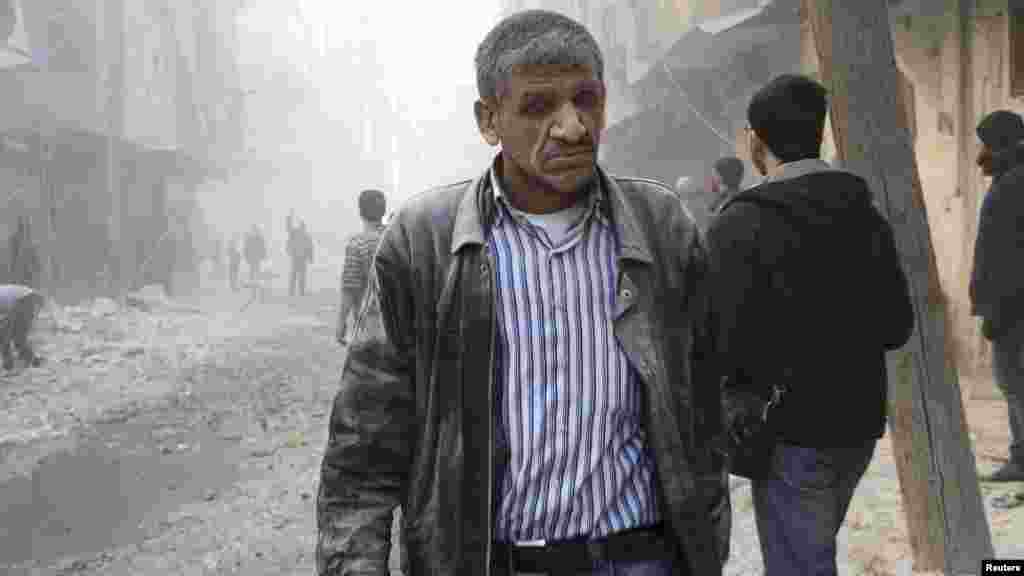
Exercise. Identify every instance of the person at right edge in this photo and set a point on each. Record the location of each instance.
(997, 281)
(808, 293)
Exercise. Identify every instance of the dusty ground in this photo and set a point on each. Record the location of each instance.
(187, 440)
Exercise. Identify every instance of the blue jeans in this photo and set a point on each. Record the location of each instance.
(646, 568)
(800, 508)
(1008, 366)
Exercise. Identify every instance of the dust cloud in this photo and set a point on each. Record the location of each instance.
(341, 97)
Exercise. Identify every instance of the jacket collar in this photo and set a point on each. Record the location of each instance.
(799, 168)
(476, 213)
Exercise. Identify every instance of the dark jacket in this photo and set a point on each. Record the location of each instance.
(299, 246)
(997, 279)
(255, 247)
(414, 422)
(808, 291)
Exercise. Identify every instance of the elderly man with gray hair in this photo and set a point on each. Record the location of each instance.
(526, 381)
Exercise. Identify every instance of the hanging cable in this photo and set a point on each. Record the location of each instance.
(693, 109)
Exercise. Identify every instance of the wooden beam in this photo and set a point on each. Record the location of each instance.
(938, 477)
(967, 171)
(821, 35)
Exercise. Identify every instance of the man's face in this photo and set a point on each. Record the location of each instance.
(986, 160)
(548, 121)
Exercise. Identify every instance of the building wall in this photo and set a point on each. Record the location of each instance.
(150, 74)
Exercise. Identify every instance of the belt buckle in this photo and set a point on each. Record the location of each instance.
(532, 544)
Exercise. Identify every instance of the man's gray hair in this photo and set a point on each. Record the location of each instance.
(533, 37)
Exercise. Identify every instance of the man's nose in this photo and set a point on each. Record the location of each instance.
(568, 126)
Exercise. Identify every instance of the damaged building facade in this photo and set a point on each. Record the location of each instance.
(114, 113)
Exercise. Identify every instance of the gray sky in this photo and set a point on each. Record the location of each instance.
(354, 54)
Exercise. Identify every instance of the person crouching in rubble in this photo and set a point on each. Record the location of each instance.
(19, 306)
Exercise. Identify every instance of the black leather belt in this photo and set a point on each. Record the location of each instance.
(566, 556)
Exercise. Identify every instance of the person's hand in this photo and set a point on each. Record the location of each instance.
(743, 415)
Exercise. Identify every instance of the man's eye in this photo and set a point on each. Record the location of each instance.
(587, 99)
(536, 105)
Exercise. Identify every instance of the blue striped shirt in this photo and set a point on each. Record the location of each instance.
(570, 403)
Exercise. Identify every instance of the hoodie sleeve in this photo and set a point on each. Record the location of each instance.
(732, 279)
(892, 297)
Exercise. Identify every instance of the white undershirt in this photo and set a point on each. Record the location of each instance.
(556, 224)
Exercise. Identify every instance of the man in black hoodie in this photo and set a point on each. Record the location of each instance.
(808, 292)
(997, 281)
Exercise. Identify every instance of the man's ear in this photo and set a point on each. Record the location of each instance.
(487, 121)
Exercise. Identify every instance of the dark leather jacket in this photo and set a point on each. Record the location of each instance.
(413, 424)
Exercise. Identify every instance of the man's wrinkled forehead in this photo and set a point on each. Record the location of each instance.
(543, 77)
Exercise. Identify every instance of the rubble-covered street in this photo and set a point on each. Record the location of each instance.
(168, 440)
(172, 438)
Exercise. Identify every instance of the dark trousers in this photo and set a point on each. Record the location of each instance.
(297, 282)
(14, 331)
(1008, 366)
(801, 506)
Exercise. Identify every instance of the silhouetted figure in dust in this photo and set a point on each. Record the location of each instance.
(234, 262)
(19, 306)
(24, 256)
(300, 254)
(255, 252)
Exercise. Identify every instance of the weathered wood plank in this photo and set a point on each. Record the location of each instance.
(937, 469)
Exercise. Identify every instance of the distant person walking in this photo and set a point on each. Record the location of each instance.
(300, 254)
(997, 281)
(355, 277)
(255, 252)
(24, 266)
(307, 256)
(234, 262)
(217, 258)
(19, 306)
(726, 176)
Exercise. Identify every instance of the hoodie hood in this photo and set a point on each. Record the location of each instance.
(1007, 159)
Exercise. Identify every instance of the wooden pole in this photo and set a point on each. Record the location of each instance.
(937, 471)
(966, 168)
